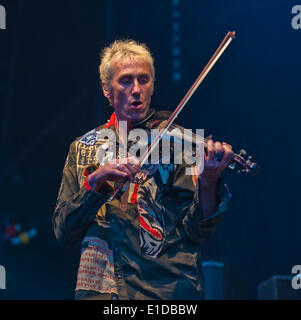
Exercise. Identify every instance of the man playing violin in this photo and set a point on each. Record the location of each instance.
(145, 243)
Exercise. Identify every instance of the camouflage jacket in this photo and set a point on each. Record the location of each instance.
(144, 244)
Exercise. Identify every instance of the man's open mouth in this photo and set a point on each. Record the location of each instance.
(136, 104)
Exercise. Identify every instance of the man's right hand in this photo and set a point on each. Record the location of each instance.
(116, 170)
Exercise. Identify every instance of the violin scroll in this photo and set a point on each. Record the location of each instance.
(242, 162)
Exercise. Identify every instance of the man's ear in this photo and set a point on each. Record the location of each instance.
(152, 89)
(106, 91)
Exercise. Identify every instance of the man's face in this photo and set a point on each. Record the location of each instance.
(131, 90)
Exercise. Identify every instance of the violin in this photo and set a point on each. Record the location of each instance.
(241, 162)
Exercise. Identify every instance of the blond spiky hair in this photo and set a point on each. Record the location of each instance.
(123, 50)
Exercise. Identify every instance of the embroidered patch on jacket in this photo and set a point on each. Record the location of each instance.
(145, 173)
(86, 155)
(89, 169)
(96, 268)
(89, 138)
(151, 218)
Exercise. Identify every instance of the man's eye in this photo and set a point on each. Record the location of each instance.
(144, 79)
(125, 80)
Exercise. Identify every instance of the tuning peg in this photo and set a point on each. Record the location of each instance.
(255, 168)
(242, 152)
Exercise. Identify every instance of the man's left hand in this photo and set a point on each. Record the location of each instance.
(216, 158)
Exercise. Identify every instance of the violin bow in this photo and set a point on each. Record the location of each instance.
(219, 51)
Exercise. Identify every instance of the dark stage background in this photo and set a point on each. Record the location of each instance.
(50, 94)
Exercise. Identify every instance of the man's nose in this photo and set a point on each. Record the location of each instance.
(136, 88)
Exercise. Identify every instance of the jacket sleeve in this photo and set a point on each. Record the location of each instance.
(76, 207)
(197, 227)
